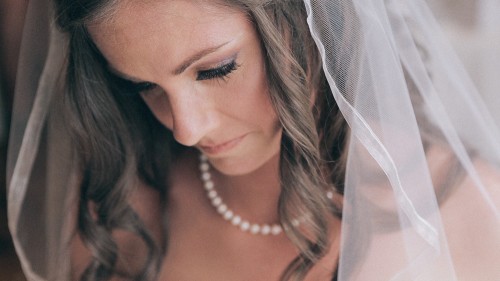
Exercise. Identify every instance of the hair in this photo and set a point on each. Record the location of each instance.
(116, 148)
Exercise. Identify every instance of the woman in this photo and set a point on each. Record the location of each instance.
(223, 101)
(212, 144)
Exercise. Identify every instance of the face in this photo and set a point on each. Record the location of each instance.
(200, 69)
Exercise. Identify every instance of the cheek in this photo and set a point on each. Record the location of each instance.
(252, 98)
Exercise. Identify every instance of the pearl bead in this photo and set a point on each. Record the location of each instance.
(236, 220)
(228, 215)
(255, 229)
(204, 167)
(216, 201)
(265, 230)
(212, 194)
(329, 195)
(205, 176)
(209, 185)
(245, 225)
(276, 229)
(222, 209)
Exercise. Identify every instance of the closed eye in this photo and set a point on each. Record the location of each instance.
(130, 88)
(220, 72)
(142, 87)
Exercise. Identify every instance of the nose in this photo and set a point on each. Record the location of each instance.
(192, 118)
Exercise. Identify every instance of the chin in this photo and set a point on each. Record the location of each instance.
(238, 166)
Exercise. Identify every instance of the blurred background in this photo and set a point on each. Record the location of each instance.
(472, 26)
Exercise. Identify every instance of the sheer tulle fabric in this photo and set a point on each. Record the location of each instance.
(39, 164)
(422, 190)
(473, 28)
(422, 187)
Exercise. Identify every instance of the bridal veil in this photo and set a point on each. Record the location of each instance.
(422, 189)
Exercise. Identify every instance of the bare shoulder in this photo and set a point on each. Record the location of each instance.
(479, 189)
(490, 175)
(471, 219)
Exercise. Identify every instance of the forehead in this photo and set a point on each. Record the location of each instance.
(170, 27)
(128, 14)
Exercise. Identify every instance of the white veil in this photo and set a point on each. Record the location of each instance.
(422, 190)
(422, 186)
(39, 162)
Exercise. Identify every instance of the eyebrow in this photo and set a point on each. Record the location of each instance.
(196, 57)
(180, 69)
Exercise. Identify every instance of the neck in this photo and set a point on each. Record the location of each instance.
(254, 195)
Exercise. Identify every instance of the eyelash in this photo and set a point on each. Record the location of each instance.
(220, 72)
(143, 87)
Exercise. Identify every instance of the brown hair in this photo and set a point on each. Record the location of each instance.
(115, 146)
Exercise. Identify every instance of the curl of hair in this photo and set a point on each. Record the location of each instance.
(115, 148)
(305, 164)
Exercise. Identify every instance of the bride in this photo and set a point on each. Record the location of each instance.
(258, 140)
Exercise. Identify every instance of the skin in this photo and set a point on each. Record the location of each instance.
(207, 113)
(235, 111)
(160, 37)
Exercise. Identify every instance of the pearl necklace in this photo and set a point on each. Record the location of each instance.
(225, 212)
(228, 215)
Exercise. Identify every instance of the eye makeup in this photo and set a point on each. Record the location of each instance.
(142, 87)
(220, 72)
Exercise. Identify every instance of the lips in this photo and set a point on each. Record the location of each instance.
(221, 147)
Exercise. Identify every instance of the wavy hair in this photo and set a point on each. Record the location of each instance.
(115, 148)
